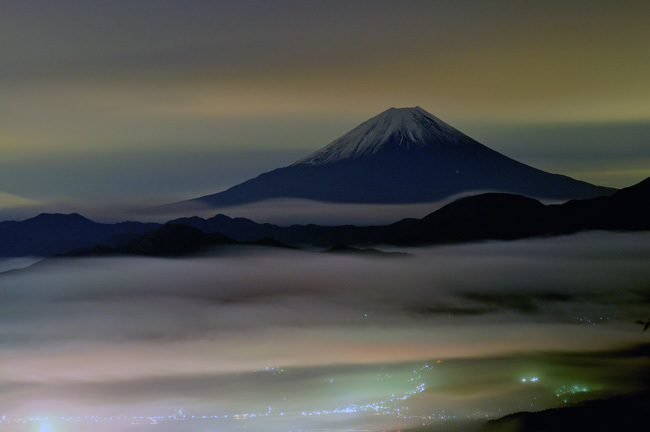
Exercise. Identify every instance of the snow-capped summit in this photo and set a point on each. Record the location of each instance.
(404, 128)
(403, 155)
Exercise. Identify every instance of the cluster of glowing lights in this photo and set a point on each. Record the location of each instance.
(271, 370)
(530, 380)
(593, 321)
(385, 407)
(390, 405)
(393, 404)
(570, 390)
(380, 407)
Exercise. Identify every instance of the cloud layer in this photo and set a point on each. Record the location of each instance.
(134, 334)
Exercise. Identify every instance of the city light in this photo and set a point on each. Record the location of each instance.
(389, 404)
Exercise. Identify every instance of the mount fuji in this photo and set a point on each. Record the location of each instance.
(403, 155)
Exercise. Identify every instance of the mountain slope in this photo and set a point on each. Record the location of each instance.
(403, 155)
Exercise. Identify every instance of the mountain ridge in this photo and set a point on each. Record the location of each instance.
(481, 217)
(490, 216)
(52, 233)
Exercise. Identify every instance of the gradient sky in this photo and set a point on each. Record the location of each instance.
(123, 102)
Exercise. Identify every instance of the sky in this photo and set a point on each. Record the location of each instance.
(122, 104)
(469, 330)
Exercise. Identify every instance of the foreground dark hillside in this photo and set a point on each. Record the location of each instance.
(625, 413)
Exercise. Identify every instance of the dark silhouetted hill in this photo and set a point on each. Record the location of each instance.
(624, 413)
(170, 240)
(50, 234)
(490, 216)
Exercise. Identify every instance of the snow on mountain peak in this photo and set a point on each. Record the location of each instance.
(400, 127)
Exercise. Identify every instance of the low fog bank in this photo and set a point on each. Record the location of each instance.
(133, 334)
(10, 263)
(291, 211)
(281, 211)
(548, 281)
